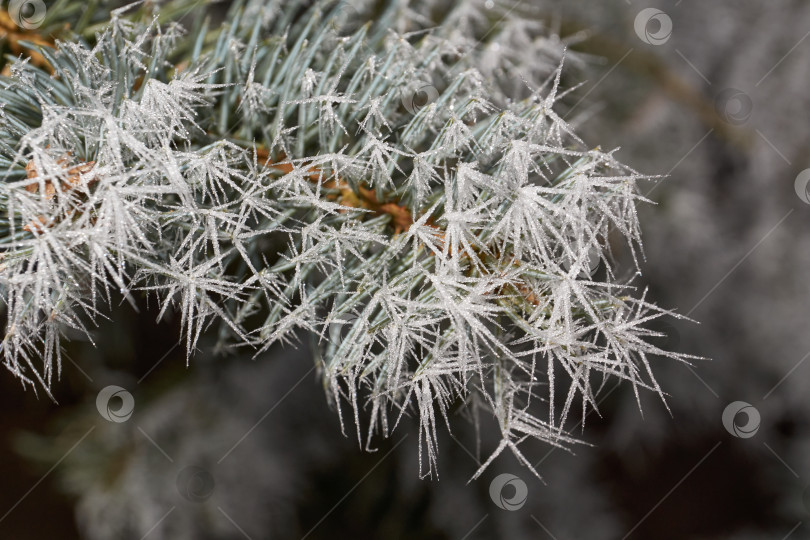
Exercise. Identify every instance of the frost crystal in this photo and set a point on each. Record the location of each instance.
(280, 183)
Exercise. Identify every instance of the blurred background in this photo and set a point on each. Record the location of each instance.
(713, 97)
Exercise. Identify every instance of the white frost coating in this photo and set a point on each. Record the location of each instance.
(455, 239)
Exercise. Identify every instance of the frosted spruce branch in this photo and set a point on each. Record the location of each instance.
(276, 177)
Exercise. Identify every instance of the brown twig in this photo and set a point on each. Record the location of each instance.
(365, 198)
(12, 34)
(73, 180)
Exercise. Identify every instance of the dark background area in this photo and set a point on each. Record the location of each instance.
(720, 109)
